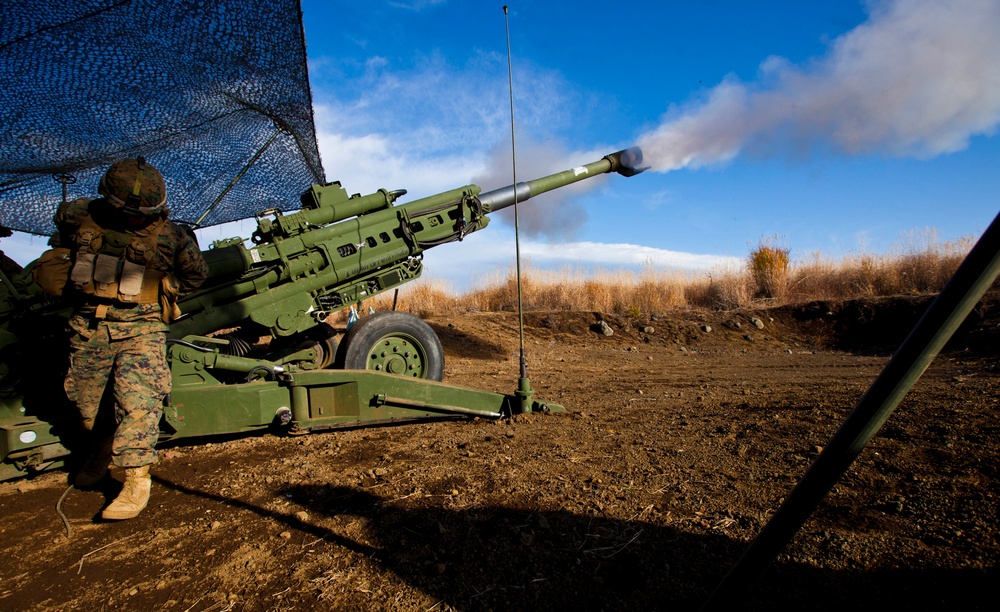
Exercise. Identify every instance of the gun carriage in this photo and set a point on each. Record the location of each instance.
(334, 252)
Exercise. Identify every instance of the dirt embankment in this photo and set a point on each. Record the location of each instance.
(682, 435)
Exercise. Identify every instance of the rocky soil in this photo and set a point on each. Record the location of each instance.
(677, 445)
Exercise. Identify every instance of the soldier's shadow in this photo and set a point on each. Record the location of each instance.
(499, 557)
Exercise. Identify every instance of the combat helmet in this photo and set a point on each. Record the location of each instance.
(134, 186)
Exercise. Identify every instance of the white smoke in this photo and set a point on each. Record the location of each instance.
(919, 78)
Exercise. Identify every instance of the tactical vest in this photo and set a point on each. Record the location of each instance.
(115, 265)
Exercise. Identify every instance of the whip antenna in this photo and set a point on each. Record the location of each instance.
(524, 391)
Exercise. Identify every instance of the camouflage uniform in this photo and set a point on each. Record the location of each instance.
(121, 357)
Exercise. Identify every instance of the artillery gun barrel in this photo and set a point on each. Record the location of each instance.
(340, 249)
(627, 162)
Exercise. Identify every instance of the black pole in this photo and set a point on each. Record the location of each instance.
(237, 178)
(946, 313)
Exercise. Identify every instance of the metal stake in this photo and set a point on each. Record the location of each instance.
(524, 391)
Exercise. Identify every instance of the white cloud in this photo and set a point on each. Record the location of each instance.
(610, 255)
(366, 163)
(417, 5)
(430, 127)
(482, 253)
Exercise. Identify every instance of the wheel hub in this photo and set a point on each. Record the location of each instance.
(396, 355)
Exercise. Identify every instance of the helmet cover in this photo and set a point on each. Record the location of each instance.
(134, 186)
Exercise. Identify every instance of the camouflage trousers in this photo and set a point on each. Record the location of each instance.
(118, 382)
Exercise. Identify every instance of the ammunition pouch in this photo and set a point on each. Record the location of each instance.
(51, 271)
(115, 265)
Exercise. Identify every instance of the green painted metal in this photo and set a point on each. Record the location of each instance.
(302, 266)
(398, 354)
(203, 404)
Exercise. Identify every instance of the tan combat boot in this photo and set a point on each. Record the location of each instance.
(134, 495)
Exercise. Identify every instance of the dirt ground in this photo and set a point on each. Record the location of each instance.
(677, 445)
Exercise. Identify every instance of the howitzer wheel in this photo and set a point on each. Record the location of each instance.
(324, 338)
(394, 343)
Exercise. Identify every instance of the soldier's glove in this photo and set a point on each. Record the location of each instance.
(169, 292)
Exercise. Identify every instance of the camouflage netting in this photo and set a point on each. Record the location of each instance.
(198, 87)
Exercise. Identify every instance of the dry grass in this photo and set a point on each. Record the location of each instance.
(768, 266)
(922, 265)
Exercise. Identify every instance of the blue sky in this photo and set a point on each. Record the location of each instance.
(838, 126)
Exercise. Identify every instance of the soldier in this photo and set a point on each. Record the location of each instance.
(129, 262)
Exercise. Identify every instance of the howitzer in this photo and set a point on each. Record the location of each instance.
(338, 250)
(251, 351)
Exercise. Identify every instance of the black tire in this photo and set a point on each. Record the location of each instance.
(322, 337)
(394, 343)
(327, 339)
